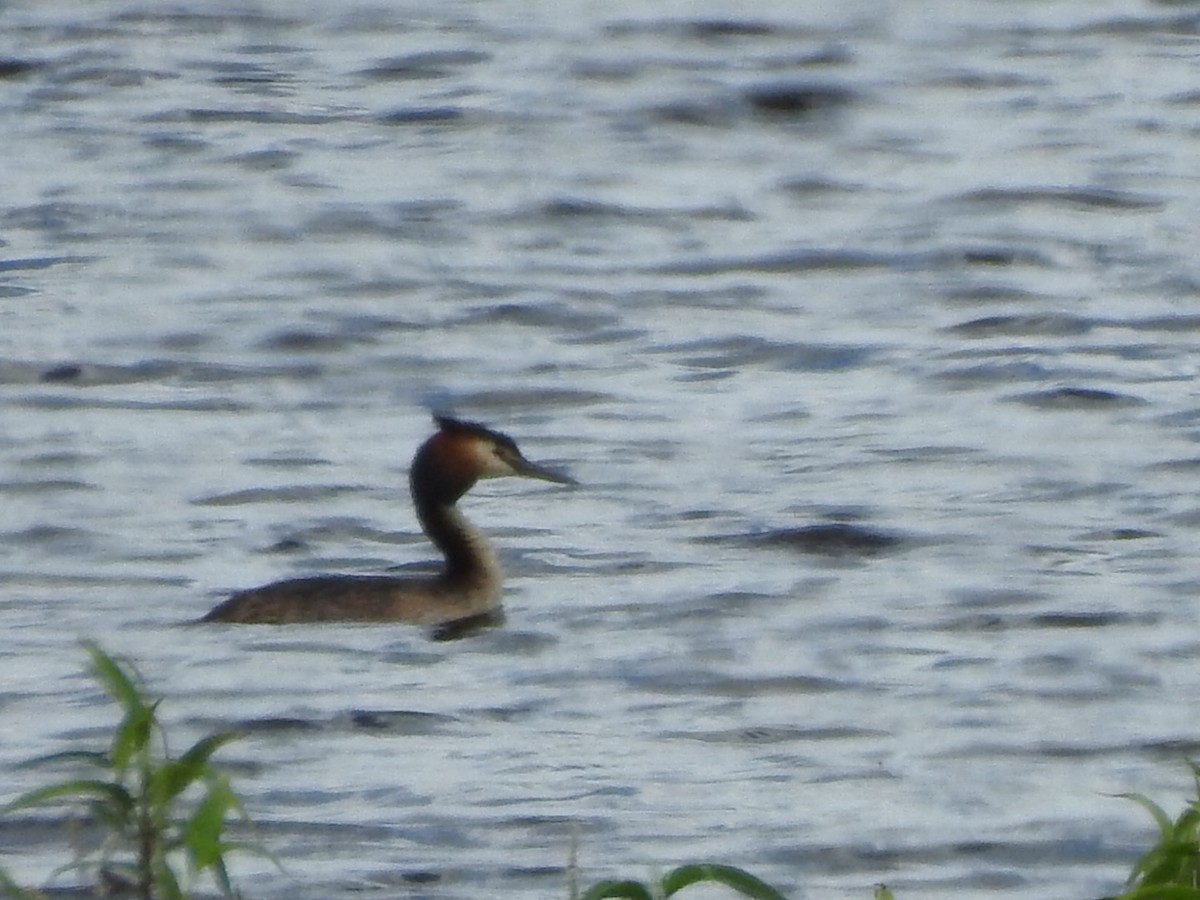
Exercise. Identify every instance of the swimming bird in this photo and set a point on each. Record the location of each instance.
(445, 467)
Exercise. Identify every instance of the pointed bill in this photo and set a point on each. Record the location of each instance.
(528, 469)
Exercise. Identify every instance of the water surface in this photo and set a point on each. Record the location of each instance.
(869, 331)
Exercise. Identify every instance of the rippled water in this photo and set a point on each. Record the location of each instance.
(870, 331)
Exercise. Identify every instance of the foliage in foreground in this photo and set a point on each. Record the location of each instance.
(677, 879)
(153, 808)
(1170, 870)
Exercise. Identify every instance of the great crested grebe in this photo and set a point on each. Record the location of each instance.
(446, 466)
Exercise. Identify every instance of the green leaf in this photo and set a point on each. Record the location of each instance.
(166, 885)
(114, 680)
(1163, 892)
(175, 777)
(170, 780)
(738, 879)
(1169, 862)
(221, 877)
(1195, 775)
(88, 757)
(202, 834)
(145, 837)
(83, 789)
(627, 890)
(1165, 825)
(132, 736)
(1186, 824)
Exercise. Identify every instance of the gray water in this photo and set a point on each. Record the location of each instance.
(870, 331)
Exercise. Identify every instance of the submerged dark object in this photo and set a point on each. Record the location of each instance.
(832, 539)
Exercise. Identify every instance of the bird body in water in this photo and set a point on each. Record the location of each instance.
(446, 466)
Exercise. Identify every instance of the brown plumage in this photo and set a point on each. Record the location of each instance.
(446, 466)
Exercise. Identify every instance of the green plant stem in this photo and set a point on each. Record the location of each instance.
(152, 827)
(145, 854)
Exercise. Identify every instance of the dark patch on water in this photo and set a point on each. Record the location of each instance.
(1186, 24)
(53, 538)
(44, 485)
(585, 209)
(12, 68)
(150, 370)
(796, 100)
(1171, 750)
(770, 734)
(1082, 197)
(1119, 534)
(954, 867)
(1185, 466)
(971, 79)
(273, 160)
(832, 539)
(580, 208)
(70, 402)
(60, 373)
(175, 141)
(422, 115)
(183, 21)
(698, 29)
(29, 263)
(343, 529)
(1078, 398)
(996, 256)
(246, 116)
(427, 64)
(308, 341)
(289, 545)
(93, 374)
(543, 315)
(230, 73)
(1089, 619)
(697, 682)
(422, 221)
(800, 260)
(707, 29)
(995, 372)
(1045, 325)
(277, 725)
(1172, 323)
(1056, 620)
(59, 218)
(997, 596)
(420, 876)
(813, 186)
(396, 722)
(741, 351)
(296, 493)
(975, 294)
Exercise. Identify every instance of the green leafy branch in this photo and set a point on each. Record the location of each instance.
(684, 876)
(153, 808)
(1170, 870)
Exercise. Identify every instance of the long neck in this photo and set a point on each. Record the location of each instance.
(469, 555)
